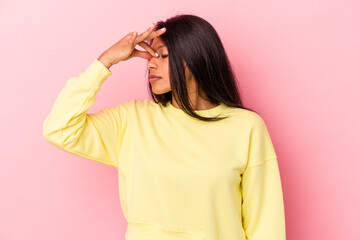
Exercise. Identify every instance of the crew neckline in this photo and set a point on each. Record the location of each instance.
(211, 112)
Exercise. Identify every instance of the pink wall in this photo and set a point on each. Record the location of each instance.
(298, 65)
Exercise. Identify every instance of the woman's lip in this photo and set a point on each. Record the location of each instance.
(154, 79)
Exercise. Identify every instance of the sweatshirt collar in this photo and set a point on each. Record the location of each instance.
(212, 112)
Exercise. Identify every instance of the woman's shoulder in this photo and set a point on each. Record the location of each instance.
(242, 112)
(144, 103)
(138, 103)
(245, 116)
(141, 105)
(136, 107)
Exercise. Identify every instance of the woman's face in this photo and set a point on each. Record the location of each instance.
(159, 66)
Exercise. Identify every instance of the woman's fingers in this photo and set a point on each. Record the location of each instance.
(160, 31)
(145, 36)
(156, 33)
(147, 47)
(142, 54)
(141, 37)
(149, 34)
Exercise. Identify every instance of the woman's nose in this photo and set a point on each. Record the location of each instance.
(151, 63)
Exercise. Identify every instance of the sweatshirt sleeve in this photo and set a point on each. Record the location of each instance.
(262, 204)
(69, 127)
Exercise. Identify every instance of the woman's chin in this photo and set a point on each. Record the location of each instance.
(160, 91)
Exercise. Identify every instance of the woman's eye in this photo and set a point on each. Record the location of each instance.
(164, 56)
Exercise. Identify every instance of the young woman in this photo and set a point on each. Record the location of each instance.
(193, 163)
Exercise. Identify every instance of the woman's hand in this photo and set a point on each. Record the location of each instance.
(124, 49)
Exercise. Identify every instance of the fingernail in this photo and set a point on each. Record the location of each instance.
(152, 25)
(156, 54)
(163, 29)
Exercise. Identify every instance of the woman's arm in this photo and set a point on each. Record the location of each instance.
(70, 128)
(262, 198)
(95, 136)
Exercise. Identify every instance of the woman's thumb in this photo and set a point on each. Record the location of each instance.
(134, 35)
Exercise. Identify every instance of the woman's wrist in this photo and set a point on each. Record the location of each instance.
(104, 61)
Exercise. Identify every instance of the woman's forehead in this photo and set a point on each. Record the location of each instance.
(157, 42)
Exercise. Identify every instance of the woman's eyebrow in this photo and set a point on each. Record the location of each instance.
(160, 47)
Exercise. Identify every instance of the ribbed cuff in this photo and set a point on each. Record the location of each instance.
(95, 74)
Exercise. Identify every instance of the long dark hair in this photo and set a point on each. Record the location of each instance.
(192, 39)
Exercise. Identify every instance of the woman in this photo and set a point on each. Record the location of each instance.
(193, 163)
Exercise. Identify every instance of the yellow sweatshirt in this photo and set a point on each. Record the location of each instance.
(179, 178)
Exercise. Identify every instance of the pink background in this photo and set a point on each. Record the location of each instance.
(298, 66)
